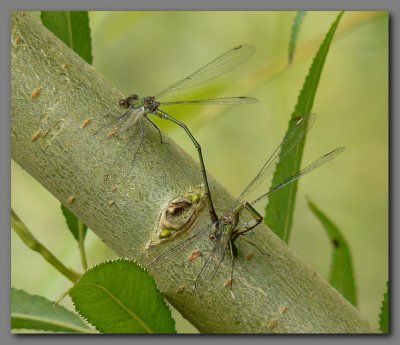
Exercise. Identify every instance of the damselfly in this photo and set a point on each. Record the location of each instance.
(140, 108)
(227, 229)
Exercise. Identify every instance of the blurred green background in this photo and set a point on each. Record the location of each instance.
(143, 52)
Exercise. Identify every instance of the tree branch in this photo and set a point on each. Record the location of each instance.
(53, 93)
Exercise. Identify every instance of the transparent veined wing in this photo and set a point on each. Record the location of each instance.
(215, 258)
(215, 101)
(120, 124)
(221, 65)
(181, 246)
(291, 140)
(131, 123)
(314, 165)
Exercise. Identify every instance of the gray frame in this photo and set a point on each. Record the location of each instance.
(5, 9)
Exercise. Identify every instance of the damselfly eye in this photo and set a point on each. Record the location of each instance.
(212, 237)
(122, 103)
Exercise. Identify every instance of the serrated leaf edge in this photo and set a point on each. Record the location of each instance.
(384, 301)
(111, 261)
(316, 56)
(87, 330)
(50, 322)
(296, 113)
(294, 33)
(122, 259)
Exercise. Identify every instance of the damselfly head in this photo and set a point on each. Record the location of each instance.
(214, 236)
(128, 101)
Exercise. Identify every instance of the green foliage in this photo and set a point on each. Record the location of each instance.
(73, 223)
(384, 314)
(295, 33)
(38, 313)
(279, 211)
(120, 297)
(341, 274)
(71, 27)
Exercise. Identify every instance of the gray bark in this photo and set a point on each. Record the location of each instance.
(273, 293)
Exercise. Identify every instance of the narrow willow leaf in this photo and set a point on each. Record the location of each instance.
(279, 211)
(295, 33)
(384, 314)
(71, 27)
(38, 313)
(120, 297)
(341, 274)
(73, 223)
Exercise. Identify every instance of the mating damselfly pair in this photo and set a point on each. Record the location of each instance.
(222, 231)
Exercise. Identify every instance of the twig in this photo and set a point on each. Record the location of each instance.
(26, 236)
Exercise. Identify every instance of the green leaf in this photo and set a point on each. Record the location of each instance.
(295, 33)
(120, 297)
(38, 313)
(279, 211)
(73, 223)
(71, 27)
(341, 274)
(384, 314)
